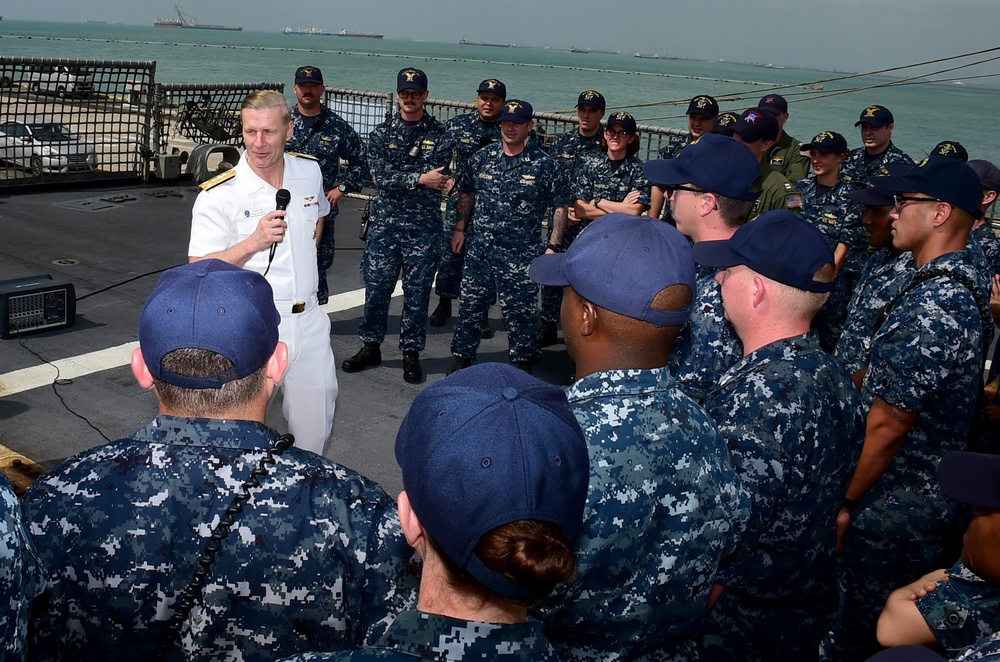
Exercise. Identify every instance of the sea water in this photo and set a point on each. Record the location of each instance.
(655, 91)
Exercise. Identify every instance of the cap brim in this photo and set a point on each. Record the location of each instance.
(664, 172)
(972, 478)
(877, 125)
(547, 270)
(702, 113)
(872, 197)
(715, 254)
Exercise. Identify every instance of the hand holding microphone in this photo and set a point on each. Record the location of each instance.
(281, 199)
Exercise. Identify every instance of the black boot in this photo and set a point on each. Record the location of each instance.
(442, 313)
(459, 364)
(547, 335)
(368, 357)
(412, 373)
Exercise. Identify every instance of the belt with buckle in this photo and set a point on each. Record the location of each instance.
(298, 307)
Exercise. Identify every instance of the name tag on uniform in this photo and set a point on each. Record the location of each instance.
(253, 213)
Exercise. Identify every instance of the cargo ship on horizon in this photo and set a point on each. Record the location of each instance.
(187, 21)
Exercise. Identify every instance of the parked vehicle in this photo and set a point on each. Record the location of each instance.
(60, 79)
(44, 146)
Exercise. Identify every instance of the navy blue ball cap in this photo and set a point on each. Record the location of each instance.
(591, 98)
(210, 305)
(774, 104)
(703, 105)
(494, 86)
(989, 174)
(873, 196)
(411, 79)
(950, 149)
(621, 263)
(948, 180)
(827, 142)
(715, 163)
(876, 116)
(725, 124)
(487, 446)
(756, 124)
(308, 75)
(972, 478)
(516, 111)
(778, 245)
(626, 121)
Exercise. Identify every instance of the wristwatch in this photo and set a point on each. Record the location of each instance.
(555, 248)
(342, 188)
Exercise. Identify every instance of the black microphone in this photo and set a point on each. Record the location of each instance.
(281, 199)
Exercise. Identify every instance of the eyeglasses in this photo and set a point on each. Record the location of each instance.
(898, 201)
(409, 94)
(681, 187)
(616, 134)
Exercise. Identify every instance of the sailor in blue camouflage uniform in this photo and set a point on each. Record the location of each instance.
(313, 556)
(793, 422)
(572, 151)
(887, 270)
(959, 607)
(322, 133)
(712, 188)
(465, 135)
(826, 205)
(983, 232)
(407, 154)
(494, 534)
(505, 191)
(21, 576)
(920, 391)
(702, 115)
(877, 151)
(665, 505)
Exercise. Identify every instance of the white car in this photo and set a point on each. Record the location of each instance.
(44, 146)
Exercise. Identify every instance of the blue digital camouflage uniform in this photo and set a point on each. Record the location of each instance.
(21, 576)
(405, 231)
(786, 156)
(315, 560)
(597, 178)
(883, 278)
(926, 358)
(838, 218)
(674, 146)
(989, 242)
(330, 139)
(664, 507)
(572, 152)
(962, 610)
(465, 135)
(707, 345)
(416, 635)
(512, 194)
(986, 649)
(858, 168)
(794, 426)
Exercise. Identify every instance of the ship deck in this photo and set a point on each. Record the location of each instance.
(110, 243)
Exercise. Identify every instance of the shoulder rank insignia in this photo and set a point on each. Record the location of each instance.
(218, 179)
(303, 156)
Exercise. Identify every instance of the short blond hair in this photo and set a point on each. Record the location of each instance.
(264, 99)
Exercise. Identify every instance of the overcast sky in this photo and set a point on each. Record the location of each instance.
(854, 35)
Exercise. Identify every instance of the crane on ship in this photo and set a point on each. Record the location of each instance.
(185, 19)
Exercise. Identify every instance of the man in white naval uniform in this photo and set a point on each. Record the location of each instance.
(234, 219)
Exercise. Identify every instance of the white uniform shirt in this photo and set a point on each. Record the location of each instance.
(228, 213)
